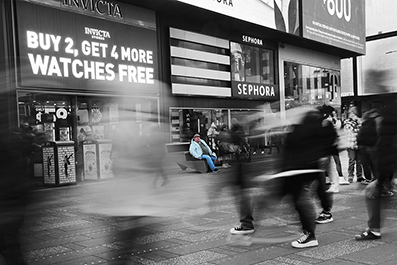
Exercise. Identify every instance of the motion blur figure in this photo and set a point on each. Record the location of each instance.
(241, 183)
(308, 141)
(15, 146)
(378, 191)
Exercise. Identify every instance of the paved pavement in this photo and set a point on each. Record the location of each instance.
(92, 223)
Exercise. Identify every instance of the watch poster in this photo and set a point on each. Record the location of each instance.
(66, 164)
(90, 161)
(105, 160)
(49, 165)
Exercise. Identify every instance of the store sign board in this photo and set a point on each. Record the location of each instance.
(340, 23)
(105, 9)
(281, 15)
(255, 91)
(70, 50)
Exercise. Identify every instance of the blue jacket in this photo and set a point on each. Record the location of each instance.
(195, 149)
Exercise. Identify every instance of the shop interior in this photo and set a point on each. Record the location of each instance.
(78, 118)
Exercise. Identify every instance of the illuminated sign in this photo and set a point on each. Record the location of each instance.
(340, 23)
(101, 7)
(88, 49)
(255, 91)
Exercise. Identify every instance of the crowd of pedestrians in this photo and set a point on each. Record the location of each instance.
(307, 148)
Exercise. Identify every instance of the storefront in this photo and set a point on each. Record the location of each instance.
(82, 70)
(215, 80)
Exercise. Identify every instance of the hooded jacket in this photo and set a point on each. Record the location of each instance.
(195, 149)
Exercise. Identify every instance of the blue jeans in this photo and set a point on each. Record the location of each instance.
(210, 161)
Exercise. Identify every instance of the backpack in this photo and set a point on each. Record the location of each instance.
(367, 135)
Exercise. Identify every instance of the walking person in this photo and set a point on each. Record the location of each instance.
(306, 144)
(378, 191)
(330, 116)
(16, 145)
(241, 184)
(351, 126)
(367, 138)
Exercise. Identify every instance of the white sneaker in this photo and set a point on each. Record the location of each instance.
(306, 241)
(343, 181)
(333, 189)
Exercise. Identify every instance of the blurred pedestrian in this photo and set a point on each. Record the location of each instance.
(367, 139)
(200, 150)
(307, 143)
(378, 191)
(16, 146)
(241, 183)
(155, 151)
(329, 115)
(351, 126)
(223, 143)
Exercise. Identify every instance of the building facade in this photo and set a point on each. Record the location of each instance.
(73, 67)
(370, 80)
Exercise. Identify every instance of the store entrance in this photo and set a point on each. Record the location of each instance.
(78, 119)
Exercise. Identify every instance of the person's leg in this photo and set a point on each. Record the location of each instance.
(351, 154)
(338, 165)
(300, 187)
(359, 169)
(366, 164)
(326, 199)
(244, 202)
(210, 162)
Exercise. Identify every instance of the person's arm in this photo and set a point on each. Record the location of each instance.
(193, 151)
(209, 149)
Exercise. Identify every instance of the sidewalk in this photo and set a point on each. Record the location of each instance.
(65, 226)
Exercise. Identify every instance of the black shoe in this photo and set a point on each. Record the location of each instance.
(239, 230)
(367, 235)
(365, 182)
(360, 179)
(386, 193)
(306, 241)
(215, 170)
(324, 218)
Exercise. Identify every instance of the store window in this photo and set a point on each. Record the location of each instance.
(185, 122)
(252, 64)
(51, 114)
(69, 118)
(307, 85)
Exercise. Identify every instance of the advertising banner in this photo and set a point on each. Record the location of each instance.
(340, 23)
(63, 49)
(282, 15)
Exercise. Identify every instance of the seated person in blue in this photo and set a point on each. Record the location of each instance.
(200, 150)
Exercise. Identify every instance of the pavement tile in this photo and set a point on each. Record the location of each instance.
(66, 256)
(200, 257)
(384, 253)
(283, 261)
(337, 249)
(199, 246)
(254, 257)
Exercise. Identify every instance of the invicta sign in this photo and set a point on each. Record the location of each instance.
(100, 7)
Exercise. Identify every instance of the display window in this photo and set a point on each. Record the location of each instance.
(90, 125)
(68, 118)
(51, 114)
(185, 122)
(312, 86)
